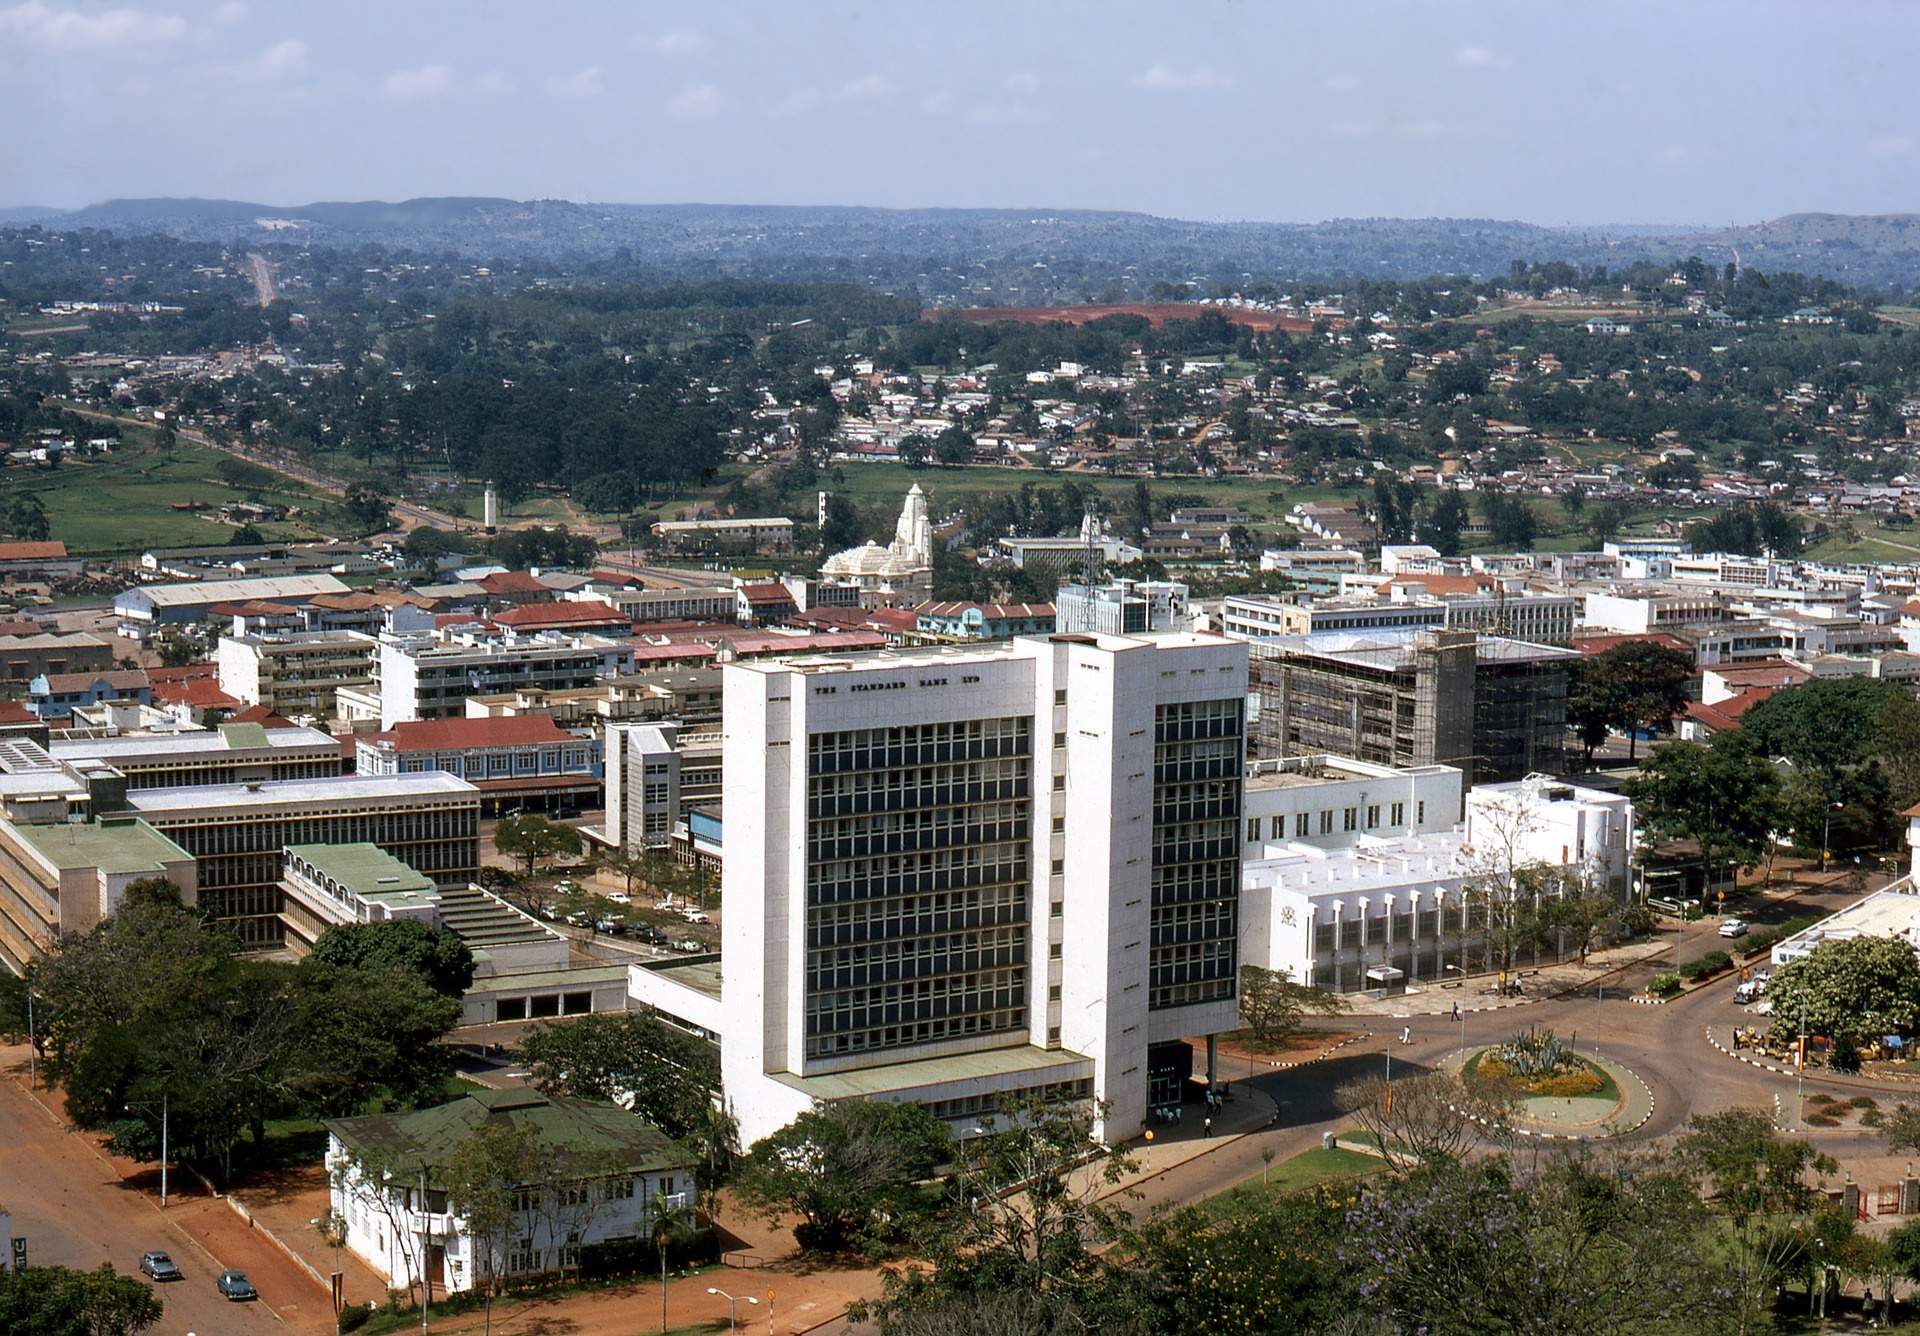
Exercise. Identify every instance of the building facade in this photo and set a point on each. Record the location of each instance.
(295, 674)
(982, 873)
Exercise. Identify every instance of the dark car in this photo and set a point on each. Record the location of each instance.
(236, 1286)
(159, 1266)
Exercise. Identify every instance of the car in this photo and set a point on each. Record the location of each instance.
(159, 1266)
(1734, 928)
(1748, 991)
(236, 1286)
(696, 916)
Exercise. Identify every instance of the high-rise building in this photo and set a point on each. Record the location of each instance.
(973, 873)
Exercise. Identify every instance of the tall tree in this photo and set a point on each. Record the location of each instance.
(1724, 797)
(1272, 1004)
(853, 1171)
(670, 1076)
(434, 954)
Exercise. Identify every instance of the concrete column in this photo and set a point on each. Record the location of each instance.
(1213, 1062)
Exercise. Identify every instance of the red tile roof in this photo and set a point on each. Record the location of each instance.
(16, 712)
(765, 594)
(561, 614)
(1592, 645)
(261, 715)
(522, 730)
(202, 693)
(512, 582)
(32, 551)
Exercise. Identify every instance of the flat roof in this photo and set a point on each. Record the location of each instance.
(1047, 1065)
(226, 738)
(115, 845)
(1394, 648)
(345, 788)
(702, 976)
(235, 591)
(1882, 914)
(365, 869)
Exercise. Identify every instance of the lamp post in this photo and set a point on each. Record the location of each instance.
(1826, 833)
(332, 1227)
(148, 1104)
(732, 1300)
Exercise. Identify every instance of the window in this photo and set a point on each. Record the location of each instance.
(1053, 952)
(1420, 813)
(1059, 824)
(1059, 741)
(1373, 815)
(1053, 1036)
(1059, 867)
(1058, 909)
(1060, 696)
(1253, 829)
(1399, 814)
(511, 1009)
(1350, 818)
(576, 1004)
(1053, 992)
(1059, 783)
(1302, 825)
(1326, 822)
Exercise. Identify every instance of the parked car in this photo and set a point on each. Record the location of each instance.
(159, 1266)
(696, 916)
(1749, 991)
(236, 1286)
(1734, 928)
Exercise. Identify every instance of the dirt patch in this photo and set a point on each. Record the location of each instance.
(1297, 1048)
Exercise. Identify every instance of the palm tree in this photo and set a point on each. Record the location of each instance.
(665, 1217)
(715, 1139)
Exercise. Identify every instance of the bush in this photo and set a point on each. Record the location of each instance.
(1864, 1102)
(1845, 1055)
(354, 1316)
(630, 1257)
(1711, 963)
(1821, 1120)
(1664, 985)
(1872, 1118)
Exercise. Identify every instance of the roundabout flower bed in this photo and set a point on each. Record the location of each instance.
(1535, 1063)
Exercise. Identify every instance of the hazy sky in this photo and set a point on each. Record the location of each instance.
(1695, 111)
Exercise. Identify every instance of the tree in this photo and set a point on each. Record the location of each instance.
(1429, 1118)
(953, 446)
(1756, 1184)
(1445, 523)
(1646, 684)
(1272, 1004)
(666, 1219)
(856, 1172)
(482, 1178)
(1724, 797)
(915, 450)
(669, 1076)
(1856, 988)
(58, 1301)
(531, 838)
(1829, 724)
(1591, 707)
(414, 947)
(1511, 523)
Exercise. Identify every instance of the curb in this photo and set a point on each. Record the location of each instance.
(1642, 999)
(1751, 1062)
(1289, 1066)
(1574, 1136)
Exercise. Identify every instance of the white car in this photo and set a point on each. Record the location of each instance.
(1734, 928)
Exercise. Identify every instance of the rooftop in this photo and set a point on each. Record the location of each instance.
(1045, 1065)
(583, 1129)
(227, 738)
(116, 845)
(365, 870)
(344, 789)
(523, 730)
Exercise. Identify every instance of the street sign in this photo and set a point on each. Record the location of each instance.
(19, 1254)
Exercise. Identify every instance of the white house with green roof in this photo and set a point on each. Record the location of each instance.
(390, 1185)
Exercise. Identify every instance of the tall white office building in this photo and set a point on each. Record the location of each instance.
(957, 874)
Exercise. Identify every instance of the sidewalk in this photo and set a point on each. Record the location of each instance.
(1479, 992)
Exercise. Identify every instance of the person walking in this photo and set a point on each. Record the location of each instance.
(1456, 1009)
(1406, 1034)
(1206, 1128)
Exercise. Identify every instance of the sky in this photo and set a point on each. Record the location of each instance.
(1698, 112)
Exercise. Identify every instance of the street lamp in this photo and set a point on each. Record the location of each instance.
(1826, 832)
(148, 1104)
(731, 1301)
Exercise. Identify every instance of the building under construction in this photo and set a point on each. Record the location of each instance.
(1497, 708)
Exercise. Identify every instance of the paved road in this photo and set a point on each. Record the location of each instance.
(75, 1209)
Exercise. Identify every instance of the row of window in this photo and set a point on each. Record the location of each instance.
(918, 744)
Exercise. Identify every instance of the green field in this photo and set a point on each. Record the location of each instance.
(121, 503)
(1312, 1167)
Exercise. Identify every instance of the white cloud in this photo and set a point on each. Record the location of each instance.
(1023, 81)
(696, 103)
(863, 90)
(1163, 79)
(584, 84)
(231, 12)
(67, 30)
(796, 104)
(1890, 147)
(492, 84)
(682, 43)
(1479, 58)
(427, 81)
(282, 59)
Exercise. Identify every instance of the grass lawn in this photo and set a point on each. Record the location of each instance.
(1313, 1166)
(122, 502)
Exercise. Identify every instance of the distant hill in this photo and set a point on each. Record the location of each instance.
(1037, 255)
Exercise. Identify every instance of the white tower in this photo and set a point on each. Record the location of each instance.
(491, 514)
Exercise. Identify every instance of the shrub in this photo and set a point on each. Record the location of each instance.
(1872, 1118)
(1845, 1055)
(1864, 1102)
(1821, 1120)
(354, 1316)
(1711, 963)
(1664, 985)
